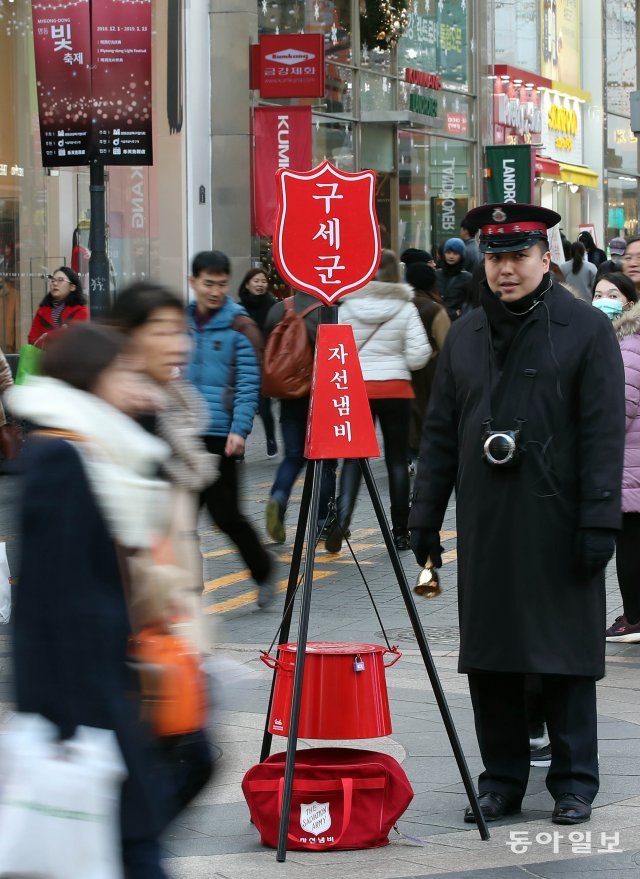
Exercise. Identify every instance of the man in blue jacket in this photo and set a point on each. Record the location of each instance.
(224, 368)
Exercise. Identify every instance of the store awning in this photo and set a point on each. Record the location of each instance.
(547, 167)
(579, 175)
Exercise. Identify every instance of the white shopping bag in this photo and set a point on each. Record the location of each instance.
(60, 802)
(5, 585)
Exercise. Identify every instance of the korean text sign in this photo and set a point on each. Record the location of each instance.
(93, 71)
(326, 238)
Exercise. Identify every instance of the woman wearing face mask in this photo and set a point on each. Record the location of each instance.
(254, 295)
(617, 291)
(89, 483)
(613, 294)
(65, 302)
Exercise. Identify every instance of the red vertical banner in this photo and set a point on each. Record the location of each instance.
(62, 48)
(122, 81)
(282, 139)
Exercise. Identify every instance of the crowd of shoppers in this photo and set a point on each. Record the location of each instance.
(479, 370)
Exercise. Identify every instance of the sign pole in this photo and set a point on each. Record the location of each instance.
(99, 296)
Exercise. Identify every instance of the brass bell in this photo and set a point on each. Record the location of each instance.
(428, 582)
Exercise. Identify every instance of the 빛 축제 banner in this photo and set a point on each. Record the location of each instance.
(93, 71)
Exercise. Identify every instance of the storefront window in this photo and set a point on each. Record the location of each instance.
(333, 19)
(436, 41)
(622, 145)
(516, 34)
(622, 216)
(435, 182)
(376, 92)
(333, 140)
(621, 54)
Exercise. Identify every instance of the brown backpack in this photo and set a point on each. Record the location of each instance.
(288, 358)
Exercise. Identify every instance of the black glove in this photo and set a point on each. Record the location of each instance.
(425, 544)
(595, 548)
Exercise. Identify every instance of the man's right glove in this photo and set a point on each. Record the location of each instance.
(425, 544)
(595, 549)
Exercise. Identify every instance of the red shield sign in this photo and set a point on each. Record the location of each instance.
(326, 239)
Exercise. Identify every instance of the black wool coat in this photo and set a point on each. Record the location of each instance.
(71, 627)
(522, 605)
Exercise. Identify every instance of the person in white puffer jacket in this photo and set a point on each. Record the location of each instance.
(391, 343)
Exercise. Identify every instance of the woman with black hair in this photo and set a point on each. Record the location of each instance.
(254, 294)
(578, 273)
(65, 302)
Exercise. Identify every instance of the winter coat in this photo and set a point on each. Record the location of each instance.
(71, 626)
(523, 606)
(454, 285)
(224, 367)
(472, 255)
(627, 329)
(436, 322)
(257, 306)
(582, 282)
(388, 332)
(43, 321)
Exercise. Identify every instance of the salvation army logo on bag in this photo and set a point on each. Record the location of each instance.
(315, 817)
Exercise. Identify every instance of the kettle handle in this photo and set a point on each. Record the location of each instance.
(269, 660)
(397, 655)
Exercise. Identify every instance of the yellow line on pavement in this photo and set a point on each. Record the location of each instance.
(227, 580)
(449, 556)
(216, 553)
(250, 597)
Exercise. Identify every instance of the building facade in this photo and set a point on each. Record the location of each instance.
(413, 89)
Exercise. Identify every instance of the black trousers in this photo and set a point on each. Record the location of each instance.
(500, 714)
(628, 565)
(221, 500)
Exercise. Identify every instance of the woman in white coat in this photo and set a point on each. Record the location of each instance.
(391, 343)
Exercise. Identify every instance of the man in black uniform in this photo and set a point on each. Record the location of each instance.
(526, 421)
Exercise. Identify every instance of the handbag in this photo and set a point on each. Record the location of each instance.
(29, 362)
(11, 440)
(60, 801)
(342, 798)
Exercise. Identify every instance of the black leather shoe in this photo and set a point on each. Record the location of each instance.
(571, 809)
(493, 806)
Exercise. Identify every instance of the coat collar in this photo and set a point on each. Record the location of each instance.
(628, 323)
(559, 301)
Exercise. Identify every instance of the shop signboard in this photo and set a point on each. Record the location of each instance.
(282, 139)
(562, 128)
(62, 48)
(121, 88)
(511, 173)
(93, 71)
(326, 239)
(290, 66)
(517, 116)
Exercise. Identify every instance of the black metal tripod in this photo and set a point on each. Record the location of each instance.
(307, 524)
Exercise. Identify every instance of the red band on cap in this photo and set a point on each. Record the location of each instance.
(511, 228)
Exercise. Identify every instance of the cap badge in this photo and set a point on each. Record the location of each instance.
(498, 216)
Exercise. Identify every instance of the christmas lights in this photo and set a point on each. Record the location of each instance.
(383, 22)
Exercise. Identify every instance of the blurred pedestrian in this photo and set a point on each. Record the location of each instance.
(254, 294)
(614, 293)
(88, 486)
(434, 317)
(527, 424)
(454, 282)
(595, 254)
(65, 302)
(413, 254)
(579, 273)
(391, 343)
(293, 426)
(224, 367)
(153, 319)
(617, 247)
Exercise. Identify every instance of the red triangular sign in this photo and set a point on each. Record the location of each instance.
(340, 423)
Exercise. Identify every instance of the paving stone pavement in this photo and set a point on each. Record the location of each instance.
(214, 837)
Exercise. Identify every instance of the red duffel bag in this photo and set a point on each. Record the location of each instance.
(343, 798)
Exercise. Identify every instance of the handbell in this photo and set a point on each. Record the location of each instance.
(428, 582)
